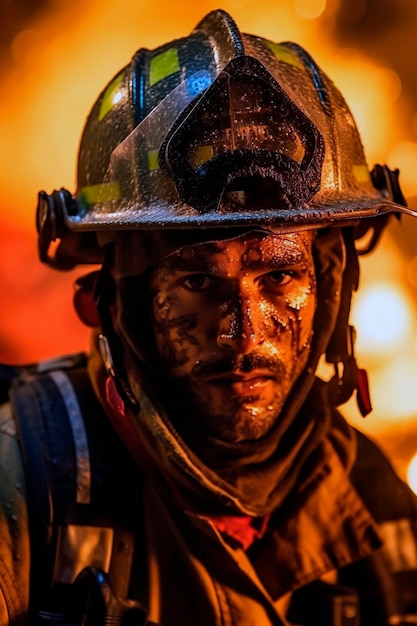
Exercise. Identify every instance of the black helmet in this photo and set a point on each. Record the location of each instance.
(216, 129)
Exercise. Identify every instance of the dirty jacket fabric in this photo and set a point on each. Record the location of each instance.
(14, 530)
(340, 527)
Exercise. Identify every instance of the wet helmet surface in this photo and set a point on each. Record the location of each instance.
(216, 129)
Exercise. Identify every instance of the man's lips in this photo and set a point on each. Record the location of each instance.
(242, 384)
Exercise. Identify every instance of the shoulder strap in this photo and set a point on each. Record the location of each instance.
(79, 481)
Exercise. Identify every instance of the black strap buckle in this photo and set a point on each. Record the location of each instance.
(387, 181)
(50, 222)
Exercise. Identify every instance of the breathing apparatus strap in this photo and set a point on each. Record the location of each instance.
(340, 350)
(76, 498)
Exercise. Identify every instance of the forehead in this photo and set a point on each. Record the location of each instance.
(250, 251)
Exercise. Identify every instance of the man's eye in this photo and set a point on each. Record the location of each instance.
(196, 282)
(278, 278)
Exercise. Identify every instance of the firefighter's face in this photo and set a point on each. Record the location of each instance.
(232, 322)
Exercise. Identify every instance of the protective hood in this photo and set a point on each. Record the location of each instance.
(211, 475)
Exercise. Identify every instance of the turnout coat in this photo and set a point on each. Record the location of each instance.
(340, 550)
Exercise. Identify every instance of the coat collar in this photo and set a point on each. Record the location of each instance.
(324, 527)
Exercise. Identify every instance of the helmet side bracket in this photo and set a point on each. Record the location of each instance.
(50, 222)
(58, 246)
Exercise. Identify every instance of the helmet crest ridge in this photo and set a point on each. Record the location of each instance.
(228, 38)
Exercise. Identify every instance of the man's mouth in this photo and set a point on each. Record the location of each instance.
(242, 384)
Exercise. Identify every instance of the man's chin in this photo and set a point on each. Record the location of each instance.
(232, 417)
(247, 423)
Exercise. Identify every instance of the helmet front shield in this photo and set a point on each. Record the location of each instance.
(241, 149)
(244, 146)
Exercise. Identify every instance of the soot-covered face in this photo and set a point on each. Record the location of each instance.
(232, 323)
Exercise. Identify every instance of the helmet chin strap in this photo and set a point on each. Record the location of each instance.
(340, 350)
(109, 342)
(348, 377)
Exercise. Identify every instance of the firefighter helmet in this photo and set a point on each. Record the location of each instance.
(215, 129)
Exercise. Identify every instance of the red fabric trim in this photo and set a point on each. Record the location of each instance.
(242, 529)
(363, 395)
(120, 421)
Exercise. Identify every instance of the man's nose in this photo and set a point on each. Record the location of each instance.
(241, 328)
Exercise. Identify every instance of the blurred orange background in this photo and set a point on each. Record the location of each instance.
(57, 55)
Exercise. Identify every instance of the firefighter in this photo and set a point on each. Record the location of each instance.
(224, 194)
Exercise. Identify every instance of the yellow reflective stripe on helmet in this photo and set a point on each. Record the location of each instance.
(112, 96)
(201, 155)
(163, 65)
(153, 163)
(103, 192)
(282, 53)
(361, 173)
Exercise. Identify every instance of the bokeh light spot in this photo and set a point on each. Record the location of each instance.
(404, 156)
(412, 271)
(394, 390)
(390, 84)
(412, 473)
(310, 9)
(23, 44)
(381, 315)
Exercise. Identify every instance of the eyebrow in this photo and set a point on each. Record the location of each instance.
(200, 262)
(189, 264)
(290, 257)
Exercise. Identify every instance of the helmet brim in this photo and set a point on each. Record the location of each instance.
(337, 213)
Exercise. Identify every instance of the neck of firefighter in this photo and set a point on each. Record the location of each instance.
(232, 323)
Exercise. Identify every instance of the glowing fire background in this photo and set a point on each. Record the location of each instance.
(57, 55)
